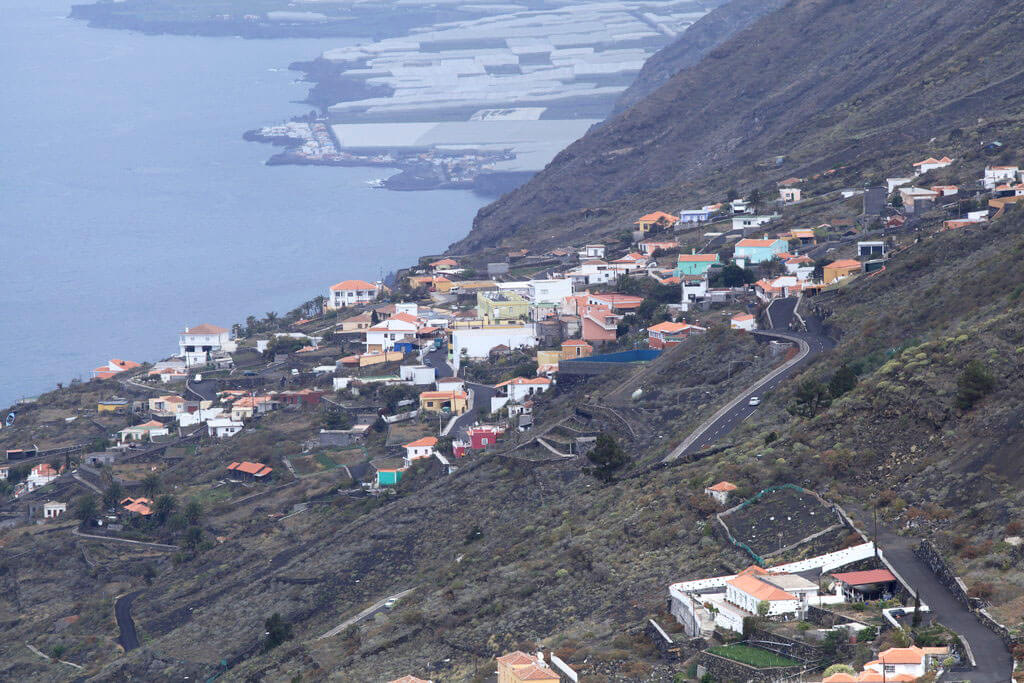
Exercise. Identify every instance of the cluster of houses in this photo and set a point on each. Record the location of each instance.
(720, 606)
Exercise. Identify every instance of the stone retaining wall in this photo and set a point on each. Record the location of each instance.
(786, 646)
(929, 554)
(722, 669)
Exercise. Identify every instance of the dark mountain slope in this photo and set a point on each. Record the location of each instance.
(713, 28)
(825, 82)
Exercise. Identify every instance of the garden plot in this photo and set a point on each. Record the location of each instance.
(778, 519)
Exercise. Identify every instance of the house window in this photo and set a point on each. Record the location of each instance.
(890, 668)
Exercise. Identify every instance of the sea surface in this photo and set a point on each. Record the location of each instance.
(130, 206)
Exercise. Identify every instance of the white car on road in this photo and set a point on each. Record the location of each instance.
(754, 401)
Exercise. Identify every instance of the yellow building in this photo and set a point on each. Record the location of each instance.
(660, 219)
(499, 305)
(473, 285)
(114, 405)
(837, 270)
(576, 348)
(457, 402)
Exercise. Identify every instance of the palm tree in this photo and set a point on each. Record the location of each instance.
(193, 512)
(113, 495)
(164, 507)
(85, 509)
(151, 484)
(193, 537)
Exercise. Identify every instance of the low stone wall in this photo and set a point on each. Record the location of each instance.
(827, 619)
(722, 669)
(929, 554)
(786, 646)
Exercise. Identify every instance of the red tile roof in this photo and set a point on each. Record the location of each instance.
(862, 578)
(427, 441)
(351, 285)
(723, 485)
(698, 258)
(762, 590)
(656, 216)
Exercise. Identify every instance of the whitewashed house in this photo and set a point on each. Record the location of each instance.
(419, 449)
(52, 509)
(930, 164)
(197, 344)
(592, 251)
(997, 175)
(384, 335)
(223, 427)
(41, 475)
(351, 293)
(747, 323)
(520, 389)
(417, 374)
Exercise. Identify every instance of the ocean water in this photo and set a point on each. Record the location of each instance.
(130, 206)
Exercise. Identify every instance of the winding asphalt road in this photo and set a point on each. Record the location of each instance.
(129, 638)
(993, 661)
(811, 343)
(482, 393)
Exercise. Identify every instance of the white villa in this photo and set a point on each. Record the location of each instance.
(196, 344)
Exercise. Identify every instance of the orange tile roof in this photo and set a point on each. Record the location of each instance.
(444, 262)
(656, 216)
(405, 318)
(427, 441)
(523, 380)
(743, 316)
(443, 394)
(45, 470)
(351, 284)
(254, 468)
(933, 160)
(517, 658)
(698, 258)
(751, 585)
(205, 328)
(723, 485)
(668, 327)
(755, 243)
(844, 263)
(575, 342)
(534, 672)
(905, 655)
(409, 679)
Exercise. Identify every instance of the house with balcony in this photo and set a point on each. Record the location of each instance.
(196, 345)
(598, 323)
(352, 293)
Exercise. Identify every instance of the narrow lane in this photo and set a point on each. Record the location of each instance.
(129, 637)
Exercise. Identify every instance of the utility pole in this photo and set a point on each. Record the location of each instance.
(874, 533)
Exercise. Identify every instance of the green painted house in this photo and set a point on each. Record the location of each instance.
(695, 264)
(389, 470)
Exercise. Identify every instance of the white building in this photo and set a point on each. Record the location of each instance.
(695, 288)
(41, 475)
(223, 427)
(351, 293)
(789, 195)
(549, 291)
(417, 374)
(892, 183)
(750, 222)
(930, 164)
(196, 344)
(419, 449)
(745, 322)
(906, 661)
(475, 343)
(53, 509)
(592, 251)
(594, 272)
(520, 389)
(997, 175)
(186, 419)
(383, 335)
